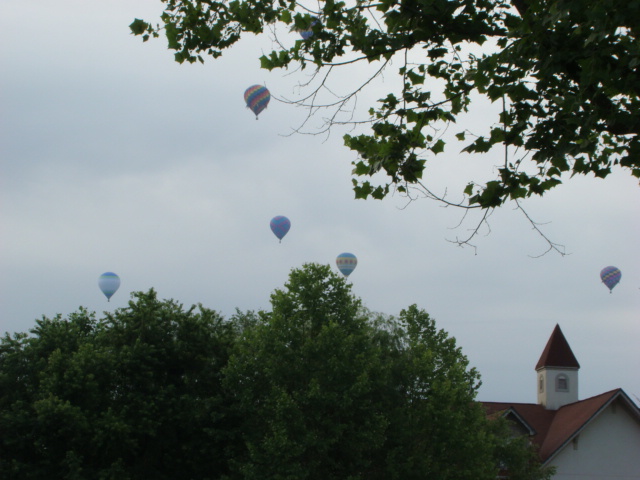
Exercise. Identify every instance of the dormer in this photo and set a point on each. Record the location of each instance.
(557, 373)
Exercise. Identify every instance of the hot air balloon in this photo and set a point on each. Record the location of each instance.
(257, 98)
(280, 225)
(346, 263)
(307, 34)
(109, 283)
(610, 277)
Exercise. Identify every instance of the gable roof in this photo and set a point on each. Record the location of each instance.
(553, 429)
(557, 352)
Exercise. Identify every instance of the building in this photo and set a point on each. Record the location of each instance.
(597, 438)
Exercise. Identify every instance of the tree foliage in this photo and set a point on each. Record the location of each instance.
(327, 390)
(565, 73)
(135, 395)
(316, 388)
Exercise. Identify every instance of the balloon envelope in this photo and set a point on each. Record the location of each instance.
(280, 225)
(307, 34)
(257, 98)
(610, 276)
(346, 263)
(109, 283)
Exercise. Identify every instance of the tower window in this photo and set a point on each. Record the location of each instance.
(541, 384)
(562, 383)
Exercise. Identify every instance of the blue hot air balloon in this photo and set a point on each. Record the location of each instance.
(109, 283)
(280, 225)
(307, 34)
(610, 276)
(346, 263)
(257, 98)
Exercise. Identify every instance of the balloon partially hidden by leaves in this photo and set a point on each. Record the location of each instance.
(346, 263)
(610, 276)
(280, 226)
(109, 283)
(307, 34)
(257, 98)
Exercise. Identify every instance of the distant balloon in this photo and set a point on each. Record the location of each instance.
(610, 276)
(109, 283)
(257, 98)
(307, 34)
(280, 225)
(346, 263)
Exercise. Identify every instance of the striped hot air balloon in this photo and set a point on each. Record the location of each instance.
(280, 226)
(346, 263)
(257, 98)
(610, 276)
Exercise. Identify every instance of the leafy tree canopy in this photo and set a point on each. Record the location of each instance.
(134, 395)
(328, 390)
(565, 73)
(317, 388)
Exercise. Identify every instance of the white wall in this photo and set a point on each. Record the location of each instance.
(607, 449)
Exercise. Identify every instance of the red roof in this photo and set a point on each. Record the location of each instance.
(557, 353)
(552, 429)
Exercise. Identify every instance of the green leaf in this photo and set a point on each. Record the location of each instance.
(285, 16)
(468, 190)
(415, 78)
(380, 192)
(438, 147)
(361, 169)
(138, 26)
(266, 63)
(362, 191)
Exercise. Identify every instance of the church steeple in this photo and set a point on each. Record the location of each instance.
(557, 373)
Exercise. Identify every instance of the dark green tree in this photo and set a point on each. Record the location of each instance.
(135, 395)
(565, 73)
(326, 390)
(306, 378)
(317, 388)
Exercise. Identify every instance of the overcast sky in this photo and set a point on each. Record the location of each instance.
(116, 158)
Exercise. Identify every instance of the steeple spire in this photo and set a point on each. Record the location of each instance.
(557, 373)
(557, 353)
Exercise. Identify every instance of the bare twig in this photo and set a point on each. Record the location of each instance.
(552, 245)
(466, 242)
